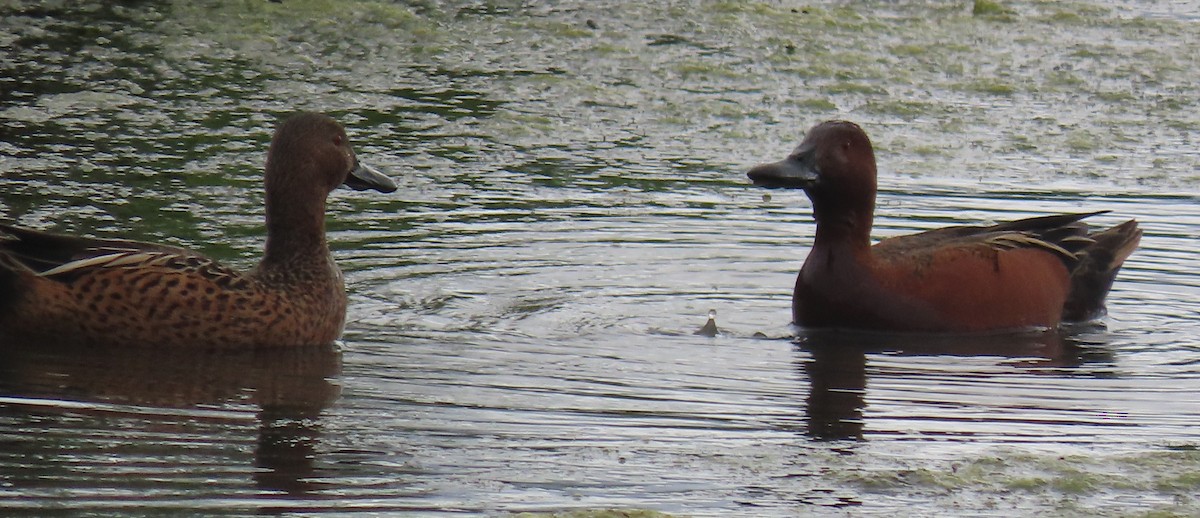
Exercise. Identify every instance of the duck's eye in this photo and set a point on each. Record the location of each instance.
(338, 140)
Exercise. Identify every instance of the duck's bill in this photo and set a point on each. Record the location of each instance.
(364, 177)
(785, 174)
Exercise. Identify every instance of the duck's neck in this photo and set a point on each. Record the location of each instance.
(295, 230)
(843, 224)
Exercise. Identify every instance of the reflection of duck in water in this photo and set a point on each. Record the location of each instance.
(837, 377)
(289, 389)
(1034, 272)
(56, 288)
(836, 366)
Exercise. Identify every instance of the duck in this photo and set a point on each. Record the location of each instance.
(64, 289)
(1034, 273)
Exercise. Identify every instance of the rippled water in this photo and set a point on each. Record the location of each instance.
(573, 204)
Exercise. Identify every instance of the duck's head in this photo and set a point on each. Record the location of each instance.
(835, 165)
(312, 148)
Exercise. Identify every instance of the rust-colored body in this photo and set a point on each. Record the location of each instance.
(1036, 272)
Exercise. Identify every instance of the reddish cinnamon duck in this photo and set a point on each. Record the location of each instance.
(115, 293)
(1030, 273)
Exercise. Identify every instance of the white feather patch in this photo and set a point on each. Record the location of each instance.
(109, 261)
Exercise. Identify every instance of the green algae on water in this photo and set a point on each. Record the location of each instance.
(990, 8)
(598, 513)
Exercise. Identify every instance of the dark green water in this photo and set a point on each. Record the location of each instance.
(572, 204)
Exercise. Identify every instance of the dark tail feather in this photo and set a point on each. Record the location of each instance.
(1098, 265)
(12, 271)
(10, 276)
(40, 250)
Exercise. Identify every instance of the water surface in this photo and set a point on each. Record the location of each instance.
(573, 204)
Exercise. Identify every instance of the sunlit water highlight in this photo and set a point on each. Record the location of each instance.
(573, 206)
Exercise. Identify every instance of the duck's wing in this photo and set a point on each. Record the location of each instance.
(1063, 235)
(158, 263)
(1093, 259)
(63, 258)
(43, 251)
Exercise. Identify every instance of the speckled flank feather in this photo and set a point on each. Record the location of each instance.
(67, 289)
(168, 300)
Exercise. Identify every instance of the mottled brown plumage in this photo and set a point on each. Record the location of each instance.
(1035, 272)
(127, 293)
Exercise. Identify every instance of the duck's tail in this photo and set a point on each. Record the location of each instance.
(1098, 265)
(13, 272)
(10, 278)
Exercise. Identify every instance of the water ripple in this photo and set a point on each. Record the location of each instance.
(573, 205)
